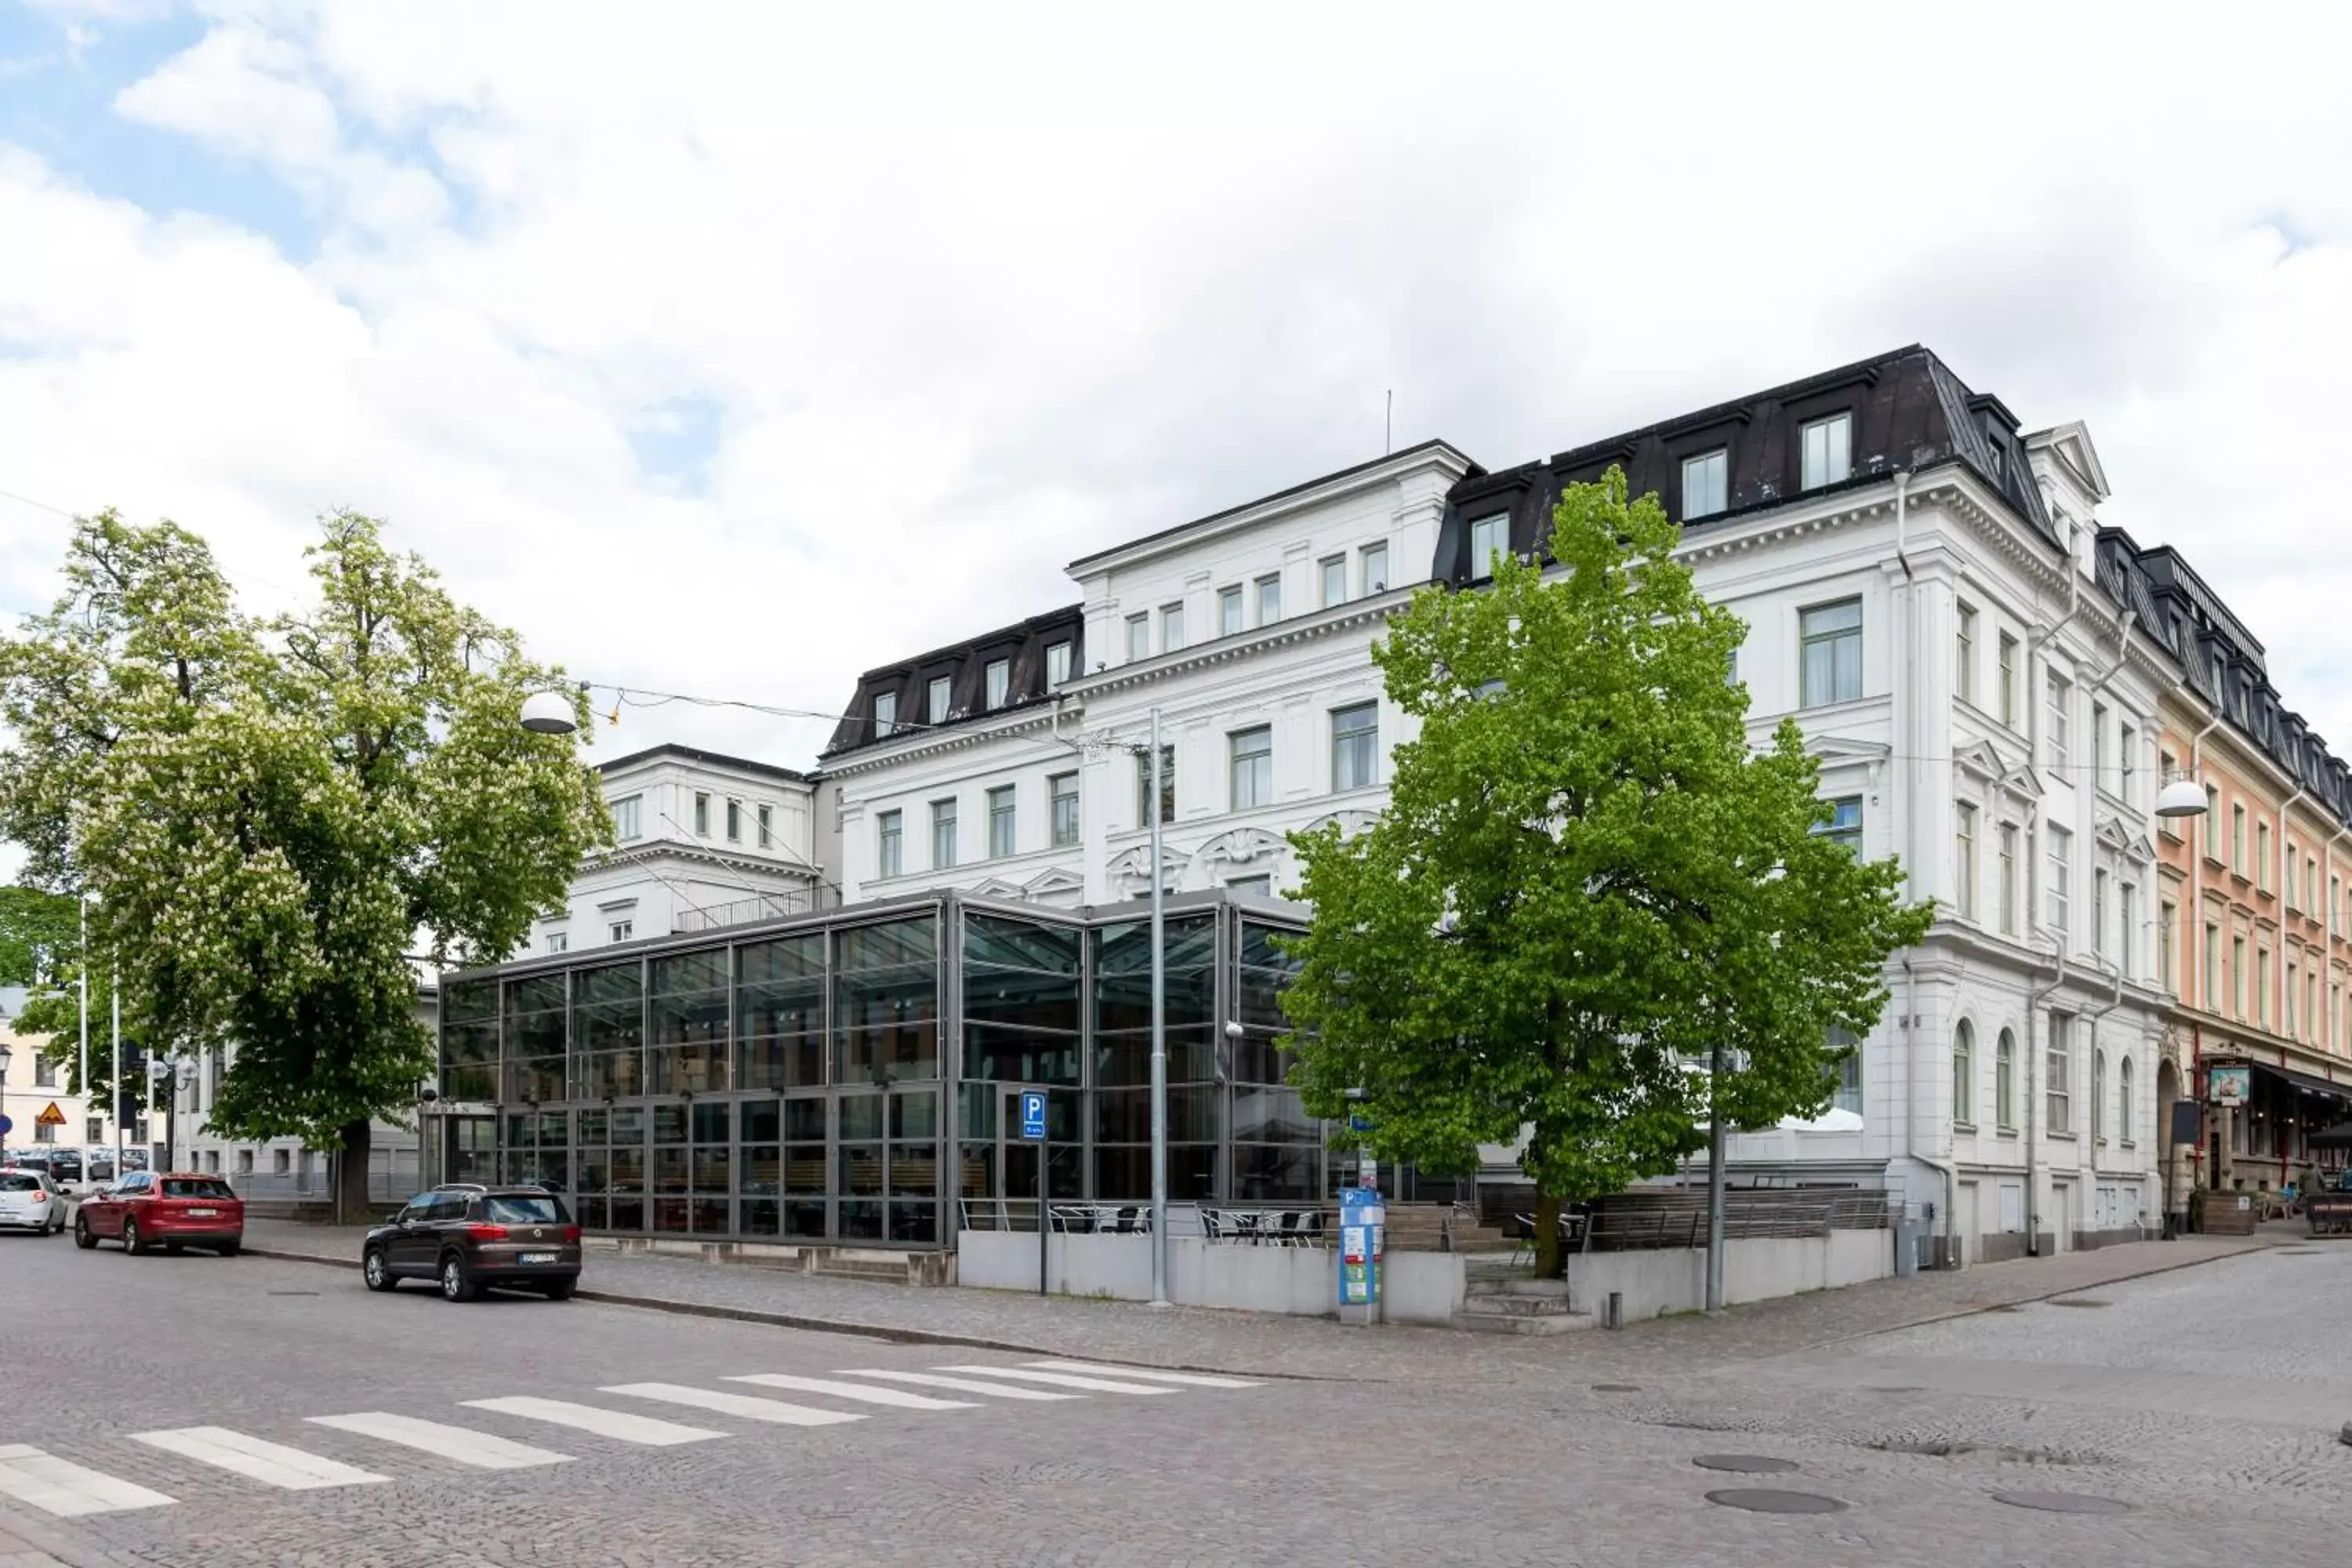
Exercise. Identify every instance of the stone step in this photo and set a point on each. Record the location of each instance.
(1514, 1306)
(1472, 1319)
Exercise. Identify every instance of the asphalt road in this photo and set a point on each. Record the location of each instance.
(290, 1418)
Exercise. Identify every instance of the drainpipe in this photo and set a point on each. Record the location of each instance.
(2036, 1049)
(2286, 886)
(2335, 929)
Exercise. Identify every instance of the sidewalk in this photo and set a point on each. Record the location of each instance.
(1205, 1339)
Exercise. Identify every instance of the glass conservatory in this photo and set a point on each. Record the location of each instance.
(846, 1077)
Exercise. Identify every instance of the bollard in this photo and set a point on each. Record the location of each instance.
(1612, 1314)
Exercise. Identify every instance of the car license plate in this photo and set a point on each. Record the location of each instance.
(539, 1257)
(202, 1214)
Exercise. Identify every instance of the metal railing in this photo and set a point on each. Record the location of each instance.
(745, 912)
(1631, 1222)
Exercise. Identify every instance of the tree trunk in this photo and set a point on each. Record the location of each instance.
(351, 1173)
(1551, 1259)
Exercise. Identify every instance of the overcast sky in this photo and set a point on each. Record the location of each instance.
(731, 350)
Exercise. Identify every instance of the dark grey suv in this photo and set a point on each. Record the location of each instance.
(467, 1237)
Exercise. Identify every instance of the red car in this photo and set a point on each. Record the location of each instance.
(171, 1210)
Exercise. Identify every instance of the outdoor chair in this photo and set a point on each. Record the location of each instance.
(1523, 1238)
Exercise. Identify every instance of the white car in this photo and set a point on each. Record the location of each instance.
(30, 1201)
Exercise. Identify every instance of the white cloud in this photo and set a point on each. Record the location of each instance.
(976, 292)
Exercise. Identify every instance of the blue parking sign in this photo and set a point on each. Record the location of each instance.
(1032, 1115)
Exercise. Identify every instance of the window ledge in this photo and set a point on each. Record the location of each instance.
(1963, 1126)
(2069, 1137)
(2005, 1132)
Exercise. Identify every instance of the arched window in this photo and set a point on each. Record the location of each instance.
(2004, 1080)
(2125, 1109)
(1964, 1074)
(2098, 1095)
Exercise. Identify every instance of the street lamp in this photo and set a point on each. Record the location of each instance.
(6, 1054)
(2181, 797)
(549, 714)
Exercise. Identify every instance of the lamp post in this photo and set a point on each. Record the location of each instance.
(1158, 1039)
(5, 1055)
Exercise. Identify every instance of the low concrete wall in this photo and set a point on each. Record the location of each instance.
(1757, 1269)
(1296, 1281)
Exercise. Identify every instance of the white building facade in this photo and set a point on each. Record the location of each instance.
(1923, 592)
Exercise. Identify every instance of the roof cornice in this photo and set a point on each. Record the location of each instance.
(1323, 624)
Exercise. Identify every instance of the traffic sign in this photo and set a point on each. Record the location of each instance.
(50, 1116)
(6, 1126)
(1032, 1116)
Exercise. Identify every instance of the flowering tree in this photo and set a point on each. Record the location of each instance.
(278, 818)
(1586, 879)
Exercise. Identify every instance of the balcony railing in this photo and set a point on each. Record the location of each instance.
(747, 912)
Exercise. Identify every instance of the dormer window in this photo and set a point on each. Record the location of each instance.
(935, 710)
(1489, 537)
(1376, 569)
(1706, 483)
(1138, 638)
(1828, 448)
(1000, 681)
(1057, 664)
(1992, 446)
(886, 714)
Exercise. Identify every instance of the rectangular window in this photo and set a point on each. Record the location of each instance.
(1253, 768)
(1705, 483)
(1828, 451)
(1964, 854)
(1057, 664)
(2211, 992)
(734, 822)
(1269, 600)
(1489, 537)
(1335, 580)
(935, 705)
(1143, 785)
(767, 820)
(886, 714)
(2058, 701)
(624, 930)
(1844, 824)
(2167, 933)
(1964, 654)
(45, 1073)
(1250, 887)
(624, 818)
(702, 814)
(2127, 760)
(1172, 627)
(1063, 791)
(1138, 638)
(1848, 1069)
(1355, 746)
(890, 857)
(2061, 871)
(2262, 986)
(2099, 745)
(2099, 911)
(2008, 878)
(1830, 649)
(2238, 837)
(2211, 819)
(1000, 830)
(2238, 977)
(2007, 676)
(2263, 855)
(2127, 927)
(2058, 1073)
(943, 835)
(559, 941)
(998, 681)
(1229, 611)
(2288, 999)
(1375, 565)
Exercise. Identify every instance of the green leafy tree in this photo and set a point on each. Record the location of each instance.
(40, 949)
(1585, 880)
(280, 818)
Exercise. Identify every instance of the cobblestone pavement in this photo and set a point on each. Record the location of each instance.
(2203, 1401)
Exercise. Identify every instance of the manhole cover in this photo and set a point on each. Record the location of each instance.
(1616, 1388)
(1764, 1501)
(2063, 1502)
(2080, 1301)
(1745, 1464)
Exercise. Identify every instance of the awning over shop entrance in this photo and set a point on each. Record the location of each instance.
(2336, 1137)
(2308, 1083)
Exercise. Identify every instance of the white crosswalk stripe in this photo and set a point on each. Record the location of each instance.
(59, 1487)
(956, 1384)
(744, 1404)
(1148, 1375)
(623, 1426)
(479, 1449)
(1062, 1379)
(272, 1464)
(897, 1399)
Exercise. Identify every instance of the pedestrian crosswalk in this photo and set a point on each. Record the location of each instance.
(68, 1488)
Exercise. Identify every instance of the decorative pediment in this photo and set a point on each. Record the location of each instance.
(999, 888)
(2128, 842)
(2023, 782)
(1054, 882)
(1350, 821)
(1979, 760)
(1137, 861)
(1241, 846)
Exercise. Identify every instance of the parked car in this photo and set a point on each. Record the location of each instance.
(468, 1237)
(65, 1165)
(30, 1201)
(172, 1211)
(98, 1164)
(28, 1160)
(134, 1159)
